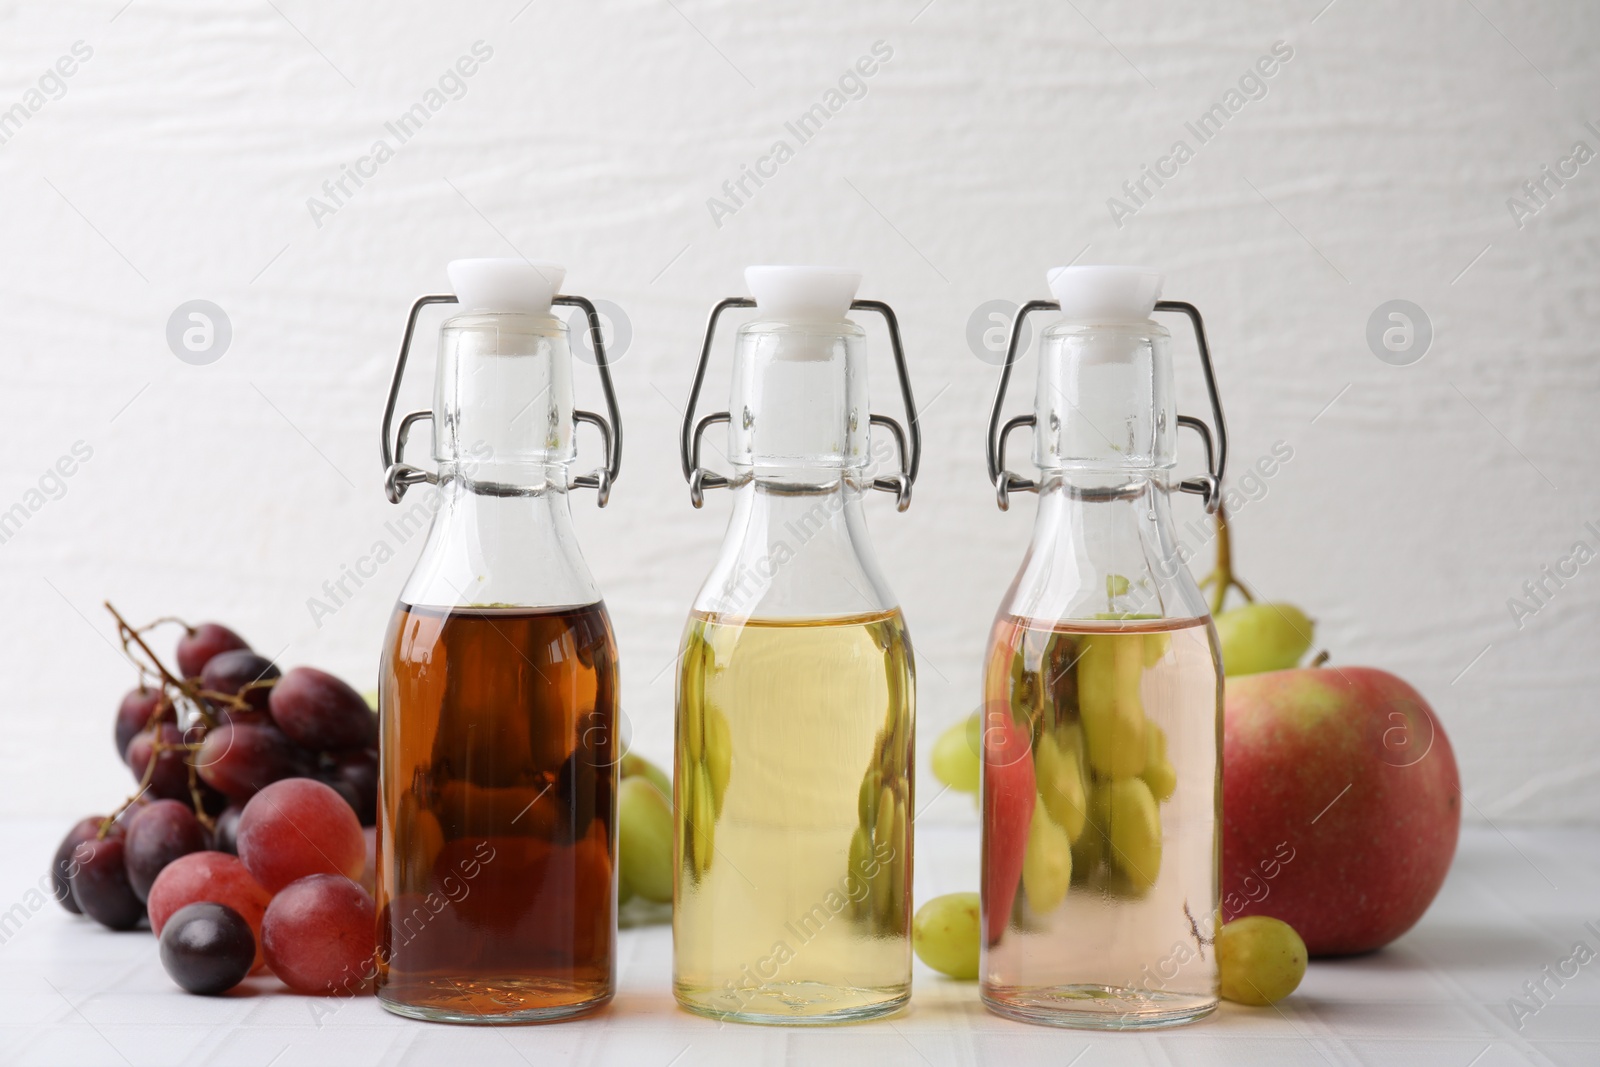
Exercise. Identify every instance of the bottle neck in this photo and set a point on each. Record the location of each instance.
(796, 548)
(498, 542)
(503, 398)
(798, 403)
(1105, 547)
(1104, 399)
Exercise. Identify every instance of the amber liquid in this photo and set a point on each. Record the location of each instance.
(496, 886)
(1101, 811)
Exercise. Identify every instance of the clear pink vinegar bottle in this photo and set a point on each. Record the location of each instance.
(1102, 686)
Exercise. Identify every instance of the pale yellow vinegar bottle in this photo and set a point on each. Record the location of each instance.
(1102, 688)
(793, 778)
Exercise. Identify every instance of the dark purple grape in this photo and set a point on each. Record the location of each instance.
(240, 759)
(229, 672)
(163, 831)
(225, 834)
(320, 712)
(135, 713)
(212, 801)
(64, 865)
(207, 948)
(101, 886)
(354, 775)
(171, 778)
(197, 646)
(346, 791)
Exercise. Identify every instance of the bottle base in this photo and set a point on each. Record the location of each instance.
(793, 1003)
(1097, 1007)
(496, 1001)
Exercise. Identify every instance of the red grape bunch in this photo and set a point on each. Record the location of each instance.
(244, 843)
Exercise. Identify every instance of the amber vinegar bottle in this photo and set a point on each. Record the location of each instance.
(496, 883)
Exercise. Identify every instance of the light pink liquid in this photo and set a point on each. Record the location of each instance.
(1126, 940)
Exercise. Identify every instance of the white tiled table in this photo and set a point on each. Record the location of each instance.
(77, 994)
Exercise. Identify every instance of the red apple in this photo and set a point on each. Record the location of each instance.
(1341, 805)
(1009, 791)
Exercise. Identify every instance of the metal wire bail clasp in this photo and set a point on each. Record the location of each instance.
(398, 475)
(1207, 486)
(702, 478)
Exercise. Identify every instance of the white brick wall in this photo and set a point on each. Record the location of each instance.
(178, 161)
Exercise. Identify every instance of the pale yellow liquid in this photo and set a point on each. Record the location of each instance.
(793, 791)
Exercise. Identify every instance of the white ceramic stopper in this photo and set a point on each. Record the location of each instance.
(1105, 295)
(505, 285)
(803, 294)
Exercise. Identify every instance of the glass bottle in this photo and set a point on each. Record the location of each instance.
(1102, 688)
(793, 772)
(496, 883)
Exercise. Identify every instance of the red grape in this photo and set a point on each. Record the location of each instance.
(320, 712)
(65, 865)
(215, 877)
(239, 759)
(171, 777)
(207, 948)
(159, 834)
(355, 775)
(319, 935)
(230, 672)
(101, 887)
(134, 714)
(197, 646)
(298, 827)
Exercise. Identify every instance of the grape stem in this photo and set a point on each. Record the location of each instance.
(127, 633)
(164, 620)
(1222, 578)
(201, 700)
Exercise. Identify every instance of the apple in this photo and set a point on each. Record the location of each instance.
(1009, 795)
(1341, 805)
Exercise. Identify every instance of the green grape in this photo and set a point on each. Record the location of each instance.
(883, 833)
(1260, 960)
(703, 819)
(691, 698)
(1109, 705)
(1047, 863)
(1061, 781)
(1155, 646)
(867, 797)
(637, 766)
(1159, 774)
(945, 934)
(955, 759)
(894, 921)
(1134, 832)
(1088, 853)
(1262, 637)
(860, 851)
(719, 754)
(644, 839)
(888, 885)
